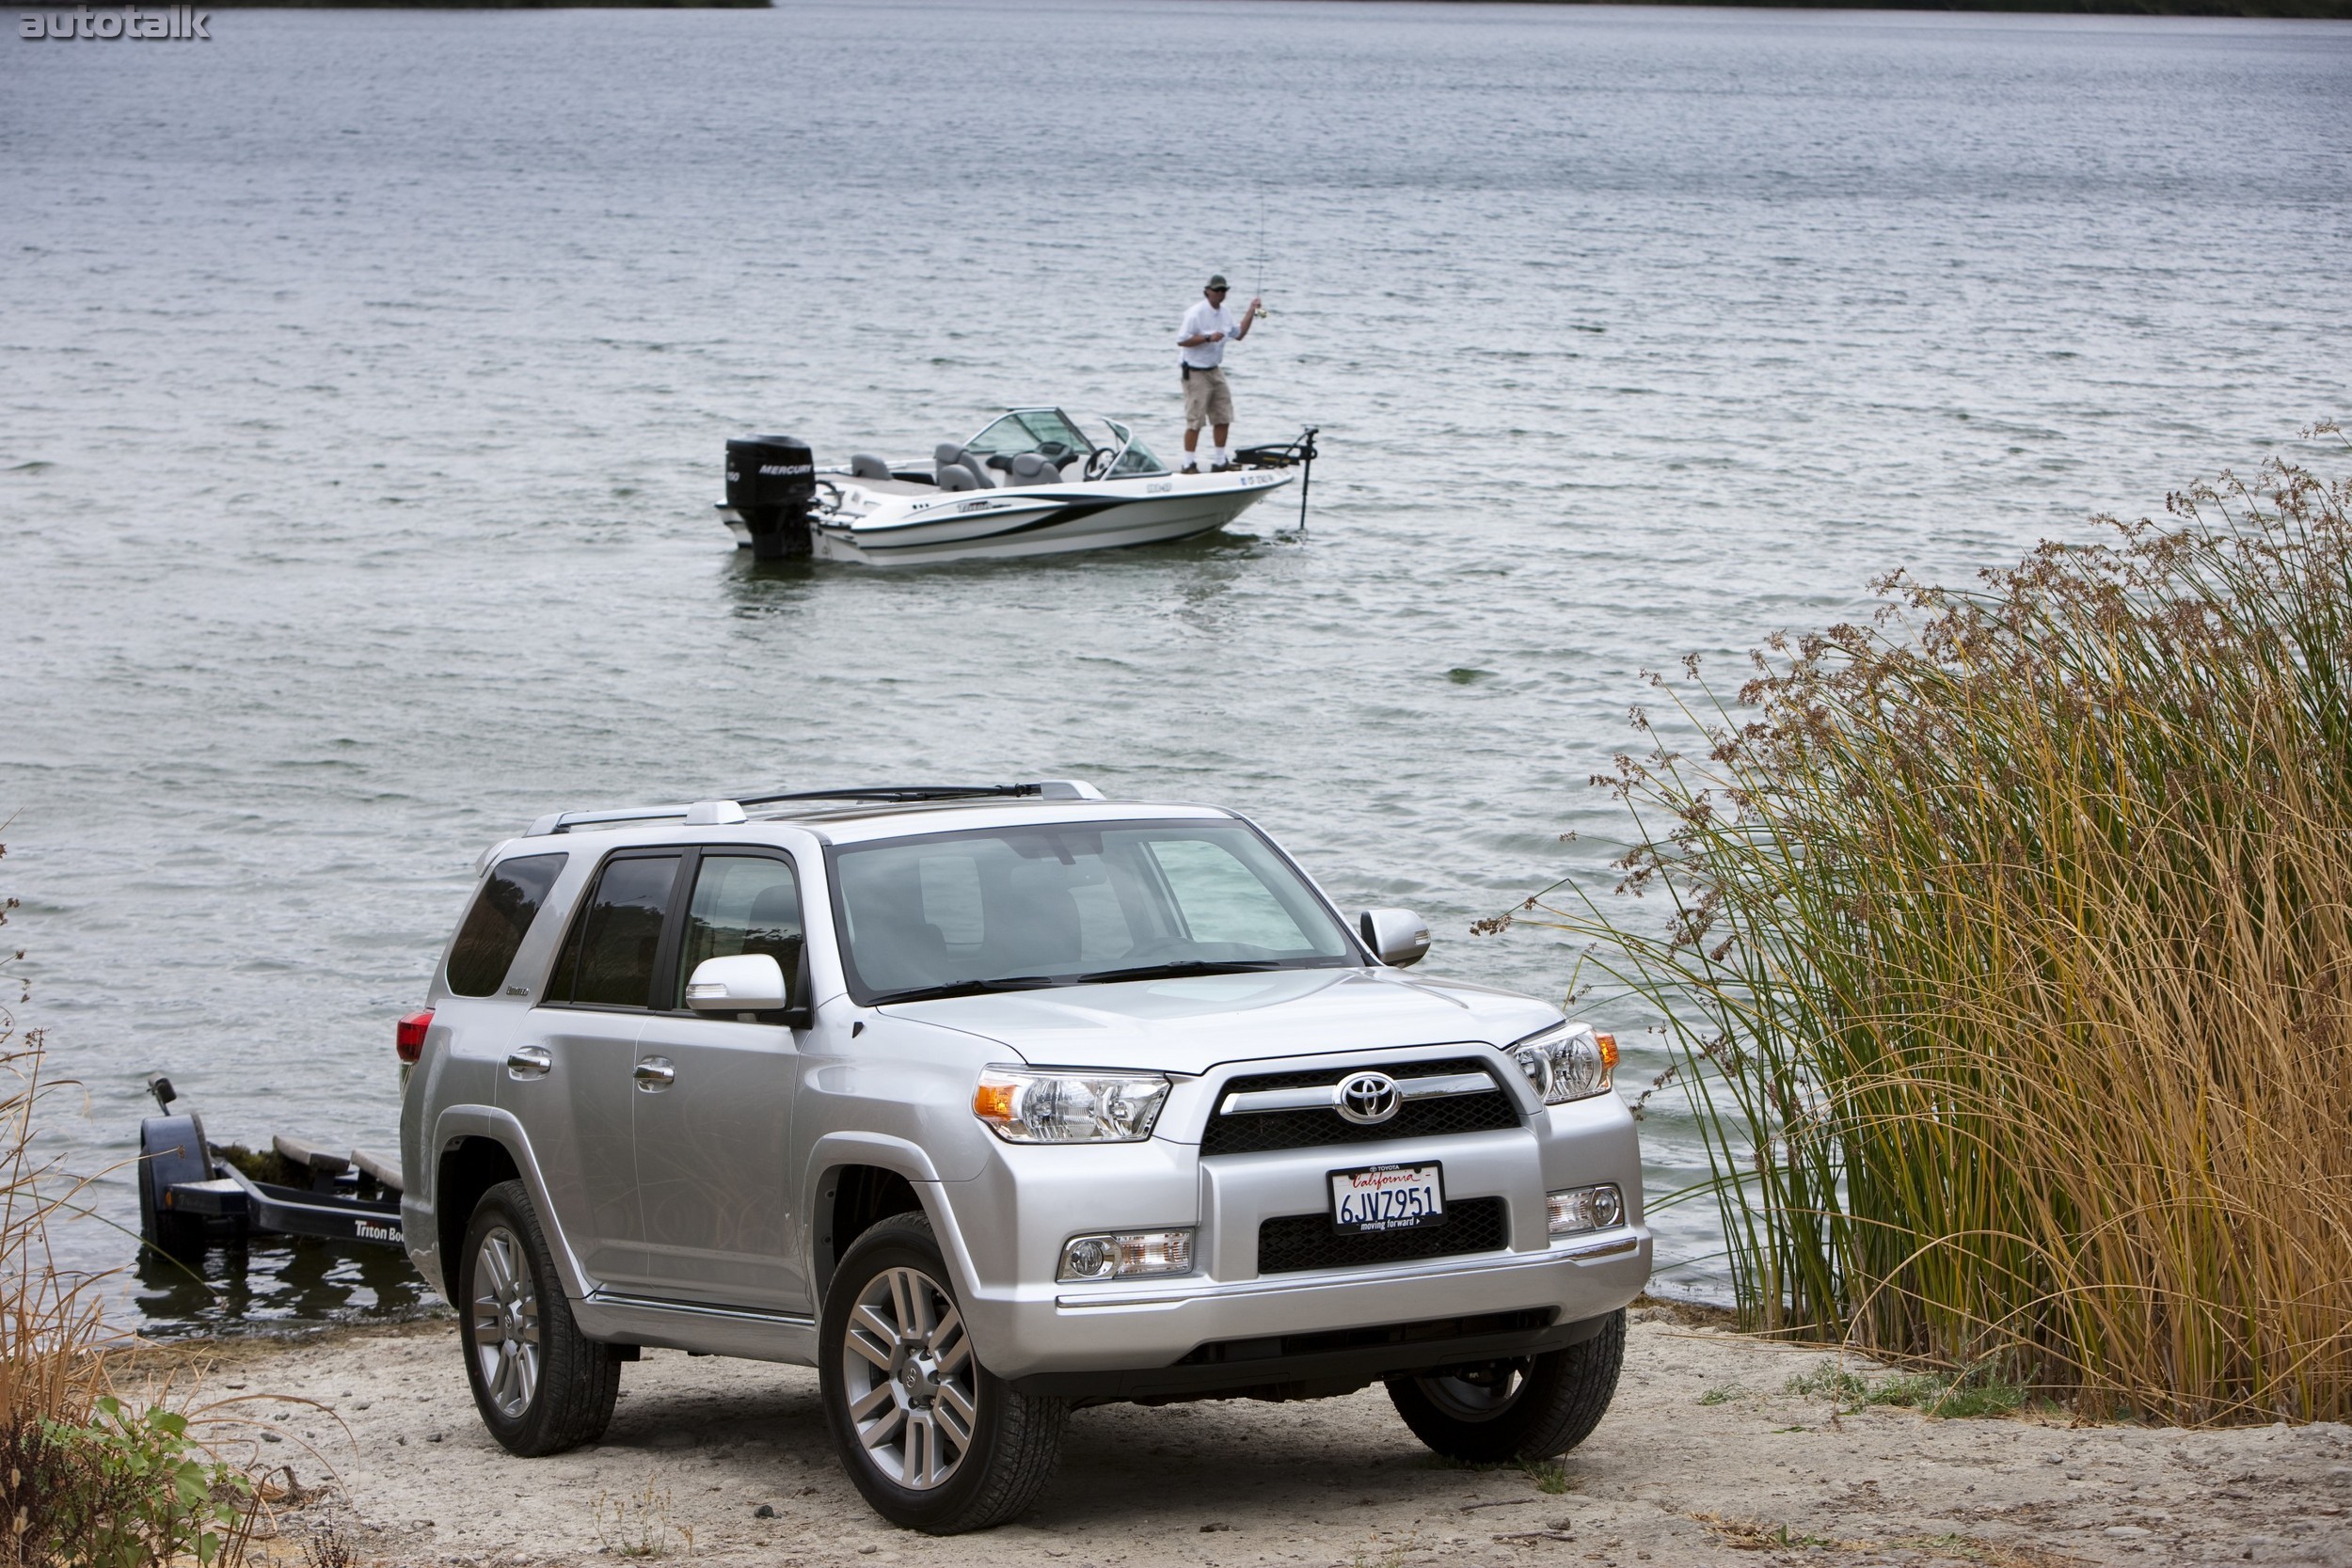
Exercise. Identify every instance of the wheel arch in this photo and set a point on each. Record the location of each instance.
(856, 1180)
(474, 1148)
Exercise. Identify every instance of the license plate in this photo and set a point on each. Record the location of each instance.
(1387, 1197)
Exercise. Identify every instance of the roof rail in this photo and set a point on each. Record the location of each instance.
(1041, 790)
(702, 814)
(718, 813)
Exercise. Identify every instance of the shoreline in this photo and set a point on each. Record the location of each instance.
(1706, 1458)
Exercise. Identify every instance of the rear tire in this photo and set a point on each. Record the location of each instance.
(542, 1387)
(934, 1440)
(1533, 1408)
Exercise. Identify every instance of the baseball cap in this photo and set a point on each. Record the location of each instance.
(1217, 280)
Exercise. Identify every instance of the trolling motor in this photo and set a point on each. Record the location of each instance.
(771, 485)
(1299, 455)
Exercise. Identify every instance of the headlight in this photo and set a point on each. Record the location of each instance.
(1568, 1062)
(1582, 1208)
(1125, 1257)
(1067, 1107)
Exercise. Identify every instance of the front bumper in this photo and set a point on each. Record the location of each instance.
(1084, 1340)
(1337, 1356)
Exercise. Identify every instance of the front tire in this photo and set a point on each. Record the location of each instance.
(542, 1387)
(1536, 1407)
(934, 1440)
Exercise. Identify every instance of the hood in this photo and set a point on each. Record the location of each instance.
(1191, 1023)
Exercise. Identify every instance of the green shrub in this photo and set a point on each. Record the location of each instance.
(142, 1492)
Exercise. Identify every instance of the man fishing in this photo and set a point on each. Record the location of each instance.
(1208, 327)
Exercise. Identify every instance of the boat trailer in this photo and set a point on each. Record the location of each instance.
(193, 1195)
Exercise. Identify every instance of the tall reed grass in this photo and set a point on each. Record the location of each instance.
(84, 1481)
(50, 1327)
(2010, 950)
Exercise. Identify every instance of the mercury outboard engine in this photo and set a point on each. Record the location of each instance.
(771, 484)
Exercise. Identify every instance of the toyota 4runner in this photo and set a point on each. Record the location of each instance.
(990, 1102)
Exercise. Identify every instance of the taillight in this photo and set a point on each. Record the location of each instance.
(410, 1041)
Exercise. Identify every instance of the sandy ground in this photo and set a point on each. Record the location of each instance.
(1703, 1459)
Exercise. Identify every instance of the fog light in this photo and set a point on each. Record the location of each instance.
(1582, 1208)
(1126, 1256)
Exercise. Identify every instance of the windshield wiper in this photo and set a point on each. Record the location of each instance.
(1183, 966)
(970, 988)
(1100, 977)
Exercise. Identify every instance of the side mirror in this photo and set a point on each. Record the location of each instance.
(1397, 937)
(745, 983)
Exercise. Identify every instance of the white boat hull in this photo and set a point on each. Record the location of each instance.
(878, 528)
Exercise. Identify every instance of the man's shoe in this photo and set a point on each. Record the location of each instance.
(1189, 468)
(1223, 467)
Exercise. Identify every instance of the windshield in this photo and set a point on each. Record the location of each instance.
(1133, 456)
(1015, 908)
(1046, 430)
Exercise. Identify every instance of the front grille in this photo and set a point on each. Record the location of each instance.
(1297, 1241)
(1254, 1131)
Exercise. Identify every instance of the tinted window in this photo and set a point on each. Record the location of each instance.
(500, 918)
(742, 904)
(609, 957)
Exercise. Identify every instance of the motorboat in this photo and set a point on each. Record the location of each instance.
(1034, 482)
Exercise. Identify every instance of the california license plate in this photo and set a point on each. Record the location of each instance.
(1387, 1197)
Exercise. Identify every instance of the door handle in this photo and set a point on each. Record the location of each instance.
(654, 1075)
(530, 1061)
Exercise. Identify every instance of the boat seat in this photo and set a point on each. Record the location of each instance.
(947, 457)
(1032, 468)
(864, 465)
(955, 476)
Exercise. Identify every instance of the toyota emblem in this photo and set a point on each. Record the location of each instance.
(1367, 1098)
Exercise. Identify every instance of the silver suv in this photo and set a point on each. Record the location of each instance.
(990, 1102)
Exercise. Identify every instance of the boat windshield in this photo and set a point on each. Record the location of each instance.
(1134, 458)
(1046, 430)
(1029, 908)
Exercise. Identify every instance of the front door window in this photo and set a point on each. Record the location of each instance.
(742, 904)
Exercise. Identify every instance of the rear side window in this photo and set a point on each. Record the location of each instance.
(608, 960)
(502, 911)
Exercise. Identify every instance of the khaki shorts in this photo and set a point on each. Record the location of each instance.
(1207, 401)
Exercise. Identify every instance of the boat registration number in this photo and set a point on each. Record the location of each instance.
(1387, 1197)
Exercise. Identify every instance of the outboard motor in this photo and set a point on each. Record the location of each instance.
(771, 484)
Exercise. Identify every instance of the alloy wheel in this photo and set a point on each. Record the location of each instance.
(505, 1323)
(909, 1377)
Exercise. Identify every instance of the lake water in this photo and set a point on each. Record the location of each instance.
(363, 377)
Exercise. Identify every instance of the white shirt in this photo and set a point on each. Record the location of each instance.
(1202, 320)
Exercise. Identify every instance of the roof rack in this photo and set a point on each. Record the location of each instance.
(704, 814)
